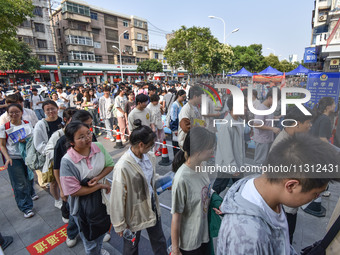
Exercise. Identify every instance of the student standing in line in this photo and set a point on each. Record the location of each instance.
(106, 104)
(134, 200)
(156, 122)
(140, 112)
(84, 160)
(191, 192)
(17, 170)
(120, 102)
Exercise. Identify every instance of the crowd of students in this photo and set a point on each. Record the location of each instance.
(252, 217)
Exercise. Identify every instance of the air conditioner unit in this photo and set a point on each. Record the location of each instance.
(322, 18)
(130, 52)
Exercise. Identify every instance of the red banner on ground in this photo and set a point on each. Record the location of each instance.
(49, 242)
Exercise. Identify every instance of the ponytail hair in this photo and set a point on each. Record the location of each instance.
(179, 93)
(141, 133)
(197, 140)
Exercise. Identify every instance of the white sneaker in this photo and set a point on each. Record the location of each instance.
(64, 220)
(326, 193)
(58, 204)
(71, 242)
(113, 139)
(35, 197)
(104, 252)
(29, 214)
(107, 237)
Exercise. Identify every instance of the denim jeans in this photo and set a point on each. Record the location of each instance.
(95, 118)
(91, 247)
(40, 113)
(72, 228)
(21, 185)
(109, 125)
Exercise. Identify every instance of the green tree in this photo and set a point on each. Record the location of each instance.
(249, 57)
(272, 61)
(19, 59)
(219, 58)
(286, 66)
(193, 49)
(149, 65)
(12, 14)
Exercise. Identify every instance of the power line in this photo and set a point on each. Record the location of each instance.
(167, 32)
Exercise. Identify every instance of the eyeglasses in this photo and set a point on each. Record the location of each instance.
(83, 137)
(14, 113)
(51, 110)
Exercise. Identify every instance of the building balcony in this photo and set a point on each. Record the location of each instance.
(77, 17)
(320, 39)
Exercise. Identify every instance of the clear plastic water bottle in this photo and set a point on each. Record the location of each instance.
(165, 182)
(130, 236)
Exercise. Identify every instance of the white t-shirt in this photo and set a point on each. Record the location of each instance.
(60, 103)
(279, 220)
(156, 115)
(35, 99)
(13, 148)
(64, 95)
(120, 102)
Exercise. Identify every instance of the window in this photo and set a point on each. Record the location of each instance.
(156, 55)
(110, 21)
(138, 23)
(81, 55)
(79, 26)
(39, 27)
(145, 37)
(165, 67)
(52, 59)
(125, 23)
(76, 8)
(140, 48)
(126, 36)
(137, 60)
(139, 36)
(26, 23)
(94, 15)
(99, 58)
(80, 40)
(42, 43)
(111, 59)
(95, 31)
(42, 58)
(97, 45)
(111, 34)
(38, 11)
(26, 39)
(110, 49)
(128, 48)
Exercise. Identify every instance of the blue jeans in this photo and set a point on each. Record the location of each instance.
(109, 125)
(40, 113)
(21, 184)
(91, 247)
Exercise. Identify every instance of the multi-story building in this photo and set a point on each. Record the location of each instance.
(87, 33)
(36, 32)
(325, 16)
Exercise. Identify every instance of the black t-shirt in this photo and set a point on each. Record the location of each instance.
(60, 150)
(53, 126)
(80, 97)
(322, 127)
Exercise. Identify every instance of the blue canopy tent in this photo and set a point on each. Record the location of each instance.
(270, 71)
(300, 70)
(242, 73)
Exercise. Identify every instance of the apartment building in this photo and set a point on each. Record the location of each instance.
(325, 17)
(87, 33)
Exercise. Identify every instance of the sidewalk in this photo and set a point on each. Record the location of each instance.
(48, 218)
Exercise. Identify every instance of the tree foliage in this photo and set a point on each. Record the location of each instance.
(249, 57)
(149, 65)
(197, 50)
(12, 14)
(19, 59)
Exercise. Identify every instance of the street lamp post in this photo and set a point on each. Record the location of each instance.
(224, 36)
(120, 54)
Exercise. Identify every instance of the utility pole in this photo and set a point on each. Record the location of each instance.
(54, 41)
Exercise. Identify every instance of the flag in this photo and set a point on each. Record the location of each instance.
(283, 82)
(330, 38)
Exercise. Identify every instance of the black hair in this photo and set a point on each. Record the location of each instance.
(71, 129)
(68, 113)
(34, 90)
(81, 115)
(141, 98)
(15, 105)
(195, 91)
(47, 102)
(107, 88)
(294, 113)
(299, 152)
(255, 93)
(152, 88)
(179, 93)
(198, 139)
(154, 98)
(12, 99)
(141, 133)
(321, 106)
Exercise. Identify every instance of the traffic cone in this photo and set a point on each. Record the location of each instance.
(165, 156)
(119, 143)
(315, 208)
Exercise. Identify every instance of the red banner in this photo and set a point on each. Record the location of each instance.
(330, 38)
(49, 242)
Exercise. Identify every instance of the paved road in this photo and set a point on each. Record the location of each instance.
(48, 218)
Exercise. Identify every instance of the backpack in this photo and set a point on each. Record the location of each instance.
(39, 97)
(168, 117)
(34, 160)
